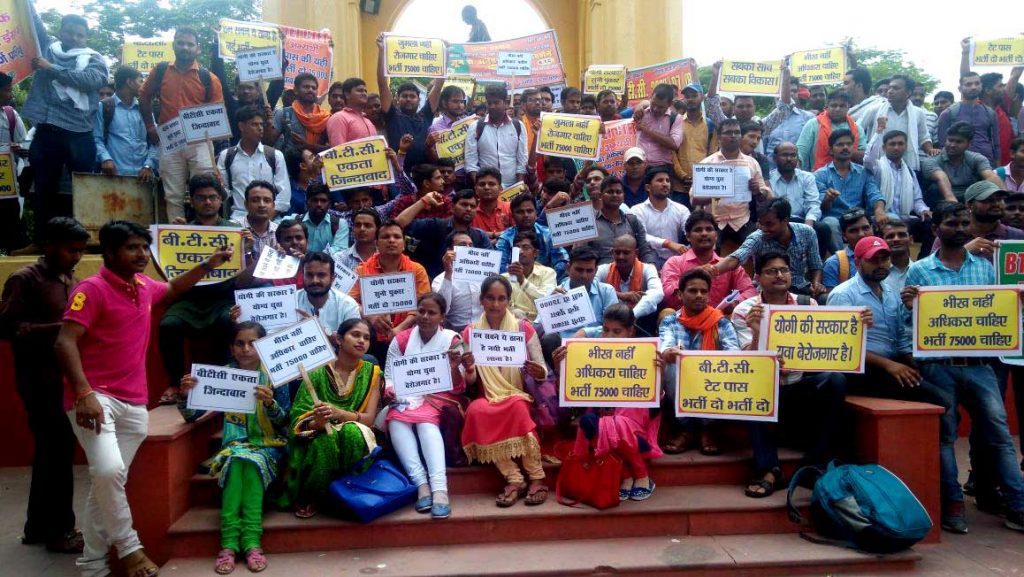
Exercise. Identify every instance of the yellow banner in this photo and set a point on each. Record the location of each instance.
(998, 52)
(8, 176)
(752, 78)
(144, 55)
(418, 57)
(466, 83)
(451, 143)
(237, 35)
(967, 321)
(181, 248)
(362, 162)
(610, 373)
(815, 338)
(605, 77)
(822, 66)
(511, 192)
(734, 385)
(569, 136)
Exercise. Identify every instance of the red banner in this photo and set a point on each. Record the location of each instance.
(640, 82)
(18, 45)
(308, 51)
(619, 136)
(480, 59)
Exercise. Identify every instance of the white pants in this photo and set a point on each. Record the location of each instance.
(175, 170)
(404, 441)
(107, 521)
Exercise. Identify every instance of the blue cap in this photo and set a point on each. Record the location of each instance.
(695, 86)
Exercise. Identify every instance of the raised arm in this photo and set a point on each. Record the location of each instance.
(382, 75)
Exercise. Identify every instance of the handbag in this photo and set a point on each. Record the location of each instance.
(589, 480)
(375, 492)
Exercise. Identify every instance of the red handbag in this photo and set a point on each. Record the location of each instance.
(589, 480)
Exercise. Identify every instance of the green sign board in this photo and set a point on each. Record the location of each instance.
(1009, 263)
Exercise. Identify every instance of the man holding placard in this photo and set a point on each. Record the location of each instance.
(524, 215)
(972, 377)
(432, 232)
(405, 116)
(530, 279)
(317, 298)
(251, 160)
(461, 296)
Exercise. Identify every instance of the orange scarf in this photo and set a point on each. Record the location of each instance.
(705, 323)
(822, 151)
(636, 278)
(314, 122)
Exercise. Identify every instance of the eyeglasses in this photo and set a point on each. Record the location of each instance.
(781, 271)
(207, 198)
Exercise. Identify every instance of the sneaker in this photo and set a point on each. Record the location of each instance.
(954, 519)
(1015, 520)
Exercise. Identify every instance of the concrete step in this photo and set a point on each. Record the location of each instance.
(689, 468)
(680, 510)
(667, 554)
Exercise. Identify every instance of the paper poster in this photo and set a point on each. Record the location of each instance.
(465, 82)
(714, 181)
(498, 348)
(451, 143)
(272, 307)
(567, 311)
(569, 136)
(357, 163)
(513, 191)
(640, 82)
(205, 122)
(967, 321)
(1009, 263)
(258, 64)
(821, 66)
(144, 54)
(514, 63)
(388, 293)
(235, 35)
(751, 78)
(422, 374)
(473, 265)
(344, 277)
(8, 175)
(18, 42)
(180, 248)
(599, 77)
(480, 60)
(619, 136)
(610, 373)
(731, 385)
(172, 136)
(571, 224)
(274, 265)
(308, 51)
(303, 344)
(999, 52)
(415, 57)
(819, 339)
(223, 389)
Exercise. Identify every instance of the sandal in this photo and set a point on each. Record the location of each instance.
(761, 488)
(510, 495)
(255, 560)
(169, 396)
(642, 493)
(678, 444)
(140, 566)
(305, 511)
(225, 562)
(537, 495)
(708, 445)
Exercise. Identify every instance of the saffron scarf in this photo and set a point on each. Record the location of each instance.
(636, 278)
(315, 121)
(706, 323)
(822, 152)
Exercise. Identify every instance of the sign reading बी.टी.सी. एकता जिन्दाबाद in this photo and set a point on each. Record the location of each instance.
(610, 373)
(180, 248)
(818, 339)
(358, 163)
(967, 321)
(731, 385)
(223, 389)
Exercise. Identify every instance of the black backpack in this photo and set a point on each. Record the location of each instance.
(515, 122)
(269, 152)
(204, 77)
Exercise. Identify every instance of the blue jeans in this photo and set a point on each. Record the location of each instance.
(975, 386)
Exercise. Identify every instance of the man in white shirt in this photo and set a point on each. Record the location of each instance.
(316, 299)
(497, 141)
(636, 284)
(463, 297)
(662, 217)
(901, 116)
(249, 160)
(530, 279)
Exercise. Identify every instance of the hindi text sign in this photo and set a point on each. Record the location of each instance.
(610, 373)
(18, 42)
(571, 224)
(815, 339)
(498, 348)
(751, 78)
(600, 77)
(258, 64)
(640, 82)
(362, 162)
(817, 67)
(180, 248)
(205, 122)
(514, 63)
(272, 307)
(308, 51)
(967, 321)
(619, 136)
(465, 82)
(714, 181)
(473, 265)
(274, 265)
(422, 374)
(416, 57)
(569, 136)
(223, 389)
(172, 136)
(451, 143)
(998, 52)
(388, 293)
(565, 311)
(237, 35)
(144, 55)
(1009, 262)
(733, 385)
(8, 176)
(303, 344)
(480, 60)
(344, 277)
(513, 191)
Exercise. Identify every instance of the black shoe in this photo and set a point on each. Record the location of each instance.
(1014, 520)
(954, 518)
(969, 485)
(991, 504)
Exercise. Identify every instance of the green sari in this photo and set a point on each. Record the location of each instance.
(318, 459)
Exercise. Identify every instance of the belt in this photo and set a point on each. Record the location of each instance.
(959, 361)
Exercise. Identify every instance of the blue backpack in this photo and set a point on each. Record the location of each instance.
(865, 506)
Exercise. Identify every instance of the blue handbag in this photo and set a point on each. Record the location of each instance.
(375, 492)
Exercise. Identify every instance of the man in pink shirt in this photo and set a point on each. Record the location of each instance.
(350, 123)
(101, 350)
(659, 129)
(702, 234)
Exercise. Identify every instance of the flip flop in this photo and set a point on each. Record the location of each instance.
(255, 560)
(141, 567)
(532, 498)
(678, 444)
(225, 562)
(510, 495)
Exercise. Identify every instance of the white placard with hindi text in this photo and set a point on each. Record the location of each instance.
(172, 136)
(344, 277)
(572, 224)
(205, 122)
(565, 312)
(741, 186)
(498, 348)
(473, 264)
(273, 265)
(515, 63)
(388, 293)
(223, 389)
(281, 353)
(422, 374)
(714, 181)
(272, 307)
(258, 64)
